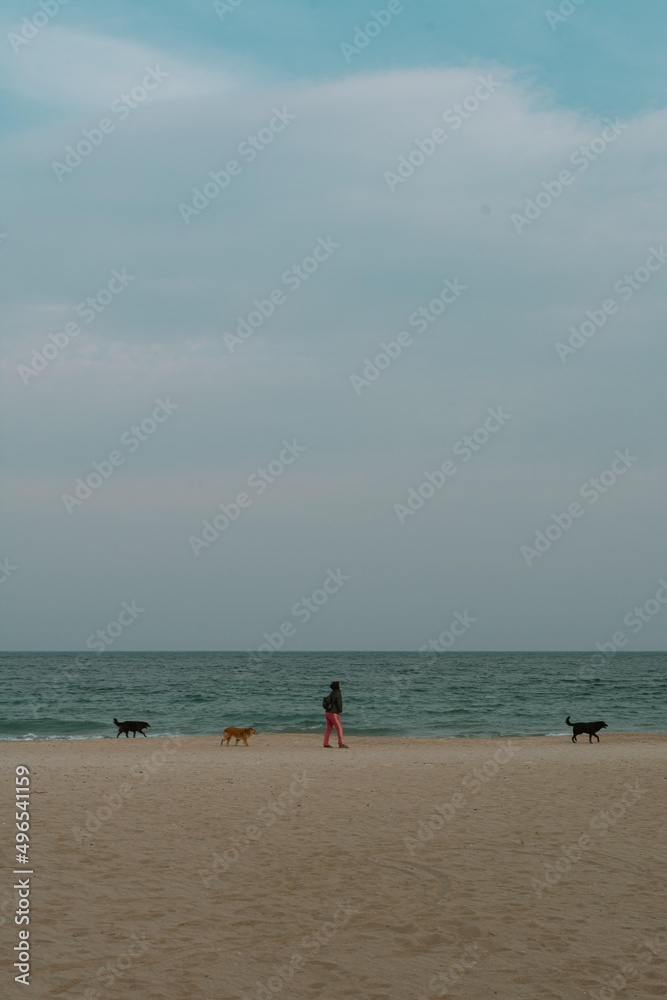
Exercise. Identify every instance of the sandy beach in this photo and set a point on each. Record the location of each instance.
(522, 869)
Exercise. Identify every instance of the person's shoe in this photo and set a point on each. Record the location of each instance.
(327, 746)
(343, 746)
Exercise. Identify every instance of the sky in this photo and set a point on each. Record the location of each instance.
(324, 324)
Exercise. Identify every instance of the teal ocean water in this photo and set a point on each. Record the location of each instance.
(76, 695)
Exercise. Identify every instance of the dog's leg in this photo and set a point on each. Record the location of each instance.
(574, 739)
(143, 733)
(596, 737)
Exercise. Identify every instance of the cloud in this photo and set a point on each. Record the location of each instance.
(80, 72)
(449, 216)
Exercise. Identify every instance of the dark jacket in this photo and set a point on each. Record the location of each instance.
(336, 702)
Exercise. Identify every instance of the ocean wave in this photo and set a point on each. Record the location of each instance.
(467, 694)
(49, 728)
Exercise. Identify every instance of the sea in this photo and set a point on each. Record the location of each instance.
(76, 695)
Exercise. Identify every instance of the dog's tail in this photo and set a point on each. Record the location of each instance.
(116, 722)
(567, 722)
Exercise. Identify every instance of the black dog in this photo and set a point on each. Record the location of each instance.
(131, 727)
(592, 728)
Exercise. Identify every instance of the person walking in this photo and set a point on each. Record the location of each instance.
(333, 706)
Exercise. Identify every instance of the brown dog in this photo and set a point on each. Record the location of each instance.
(239, 734)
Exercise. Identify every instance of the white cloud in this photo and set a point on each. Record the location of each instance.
(79, 72)
(325, 175)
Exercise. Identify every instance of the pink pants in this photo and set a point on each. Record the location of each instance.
(333, 722)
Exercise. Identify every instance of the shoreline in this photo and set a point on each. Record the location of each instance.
(317, 735)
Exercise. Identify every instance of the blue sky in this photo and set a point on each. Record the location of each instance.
(605, 58)
(349, 191)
